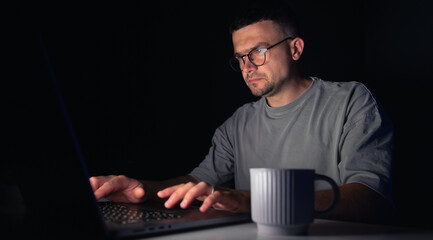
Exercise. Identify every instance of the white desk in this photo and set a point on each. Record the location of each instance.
(320, 229)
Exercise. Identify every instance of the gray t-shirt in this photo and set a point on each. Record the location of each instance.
(336, 128)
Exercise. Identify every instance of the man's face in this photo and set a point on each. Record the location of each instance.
(265, 80)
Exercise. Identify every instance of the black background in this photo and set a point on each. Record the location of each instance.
(147, 83)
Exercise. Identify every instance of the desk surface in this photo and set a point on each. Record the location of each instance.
(320, 229)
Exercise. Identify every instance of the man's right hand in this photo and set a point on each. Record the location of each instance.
(118, 188)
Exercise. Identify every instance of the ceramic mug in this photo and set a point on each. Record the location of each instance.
(282, 200)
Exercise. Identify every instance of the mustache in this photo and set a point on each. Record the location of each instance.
(255, 75)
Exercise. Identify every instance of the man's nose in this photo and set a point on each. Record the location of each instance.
(249, 66)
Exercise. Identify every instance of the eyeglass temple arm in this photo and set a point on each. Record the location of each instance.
(285, 39)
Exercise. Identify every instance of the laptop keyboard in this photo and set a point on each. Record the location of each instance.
(128, 214)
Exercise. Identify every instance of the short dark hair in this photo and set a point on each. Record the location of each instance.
(260, 10)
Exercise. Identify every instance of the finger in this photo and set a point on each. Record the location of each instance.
(104, 190)
(209, 201)
(94, 182)
(166, 192)
(178, 194)
(111, 184)
(139, 193)
(196, 192)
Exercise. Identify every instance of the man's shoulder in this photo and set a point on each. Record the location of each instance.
(341, 86)
(350, 90)
(356, 99)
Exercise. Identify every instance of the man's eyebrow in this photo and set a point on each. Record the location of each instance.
(238, 54)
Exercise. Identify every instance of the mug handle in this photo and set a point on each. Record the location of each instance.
(335, 189)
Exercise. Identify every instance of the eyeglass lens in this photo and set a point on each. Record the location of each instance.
(257, 57)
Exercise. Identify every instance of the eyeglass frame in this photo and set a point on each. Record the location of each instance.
(236, 58)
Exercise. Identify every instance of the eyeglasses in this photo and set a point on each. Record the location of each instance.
(257, 57)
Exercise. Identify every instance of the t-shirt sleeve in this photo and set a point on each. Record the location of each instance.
(218, 166)
(367, 145)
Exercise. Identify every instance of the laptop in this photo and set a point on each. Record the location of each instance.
(64, 199)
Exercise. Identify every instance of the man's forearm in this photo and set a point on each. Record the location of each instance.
(357, 203)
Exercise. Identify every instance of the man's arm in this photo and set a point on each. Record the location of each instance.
(366, 147)
(357, 203)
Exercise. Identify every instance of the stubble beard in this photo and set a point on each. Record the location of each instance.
(263, 91)
(268, 89)
(255, 88)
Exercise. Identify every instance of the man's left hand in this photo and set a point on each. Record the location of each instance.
(219, 198)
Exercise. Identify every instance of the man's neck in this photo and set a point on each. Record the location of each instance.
(290, 91)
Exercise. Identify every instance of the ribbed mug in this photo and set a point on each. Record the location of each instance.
(282, 200)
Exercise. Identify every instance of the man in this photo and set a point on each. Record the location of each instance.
(338, 129)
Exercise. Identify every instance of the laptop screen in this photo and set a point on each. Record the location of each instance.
(48, 168)
(55, 182)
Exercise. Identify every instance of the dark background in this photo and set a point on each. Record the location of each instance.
(147, 84)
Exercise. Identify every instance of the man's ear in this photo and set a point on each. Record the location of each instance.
(296, 48)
